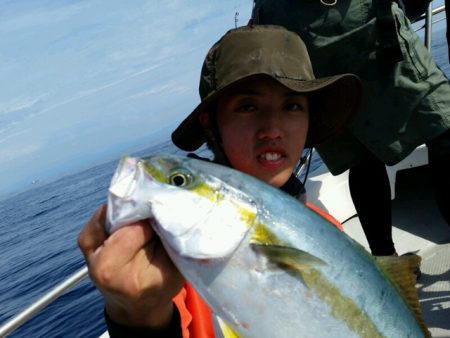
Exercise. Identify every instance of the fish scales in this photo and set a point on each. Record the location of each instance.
(266, 264)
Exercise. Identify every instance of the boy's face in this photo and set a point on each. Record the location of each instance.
(263, 126)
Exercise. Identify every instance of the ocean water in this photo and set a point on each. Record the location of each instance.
(38, 249)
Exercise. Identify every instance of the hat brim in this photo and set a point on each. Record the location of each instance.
(334, 101)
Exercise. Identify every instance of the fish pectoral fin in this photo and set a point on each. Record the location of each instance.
(290, 258)
(400, 270)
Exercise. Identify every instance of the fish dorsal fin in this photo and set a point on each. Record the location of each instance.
(400, 270)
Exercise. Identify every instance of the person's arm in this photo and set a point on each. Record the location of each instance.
(133, 272)
(173, 330)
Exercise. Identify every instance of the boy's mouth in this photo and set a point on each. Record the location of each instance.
(270, 156)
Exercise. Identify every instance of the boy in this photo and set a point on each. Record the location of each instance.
(261, 105)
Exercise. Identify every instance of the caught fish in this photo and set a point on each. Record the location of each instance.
(267, 265)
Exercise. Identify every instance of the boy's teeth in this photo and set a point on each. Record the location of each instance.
(271, 156)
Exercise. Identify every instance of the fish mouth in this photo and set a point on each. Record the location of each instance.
(142, 189)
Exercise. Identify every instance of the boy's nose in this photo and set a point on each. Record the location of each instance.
(269, 125)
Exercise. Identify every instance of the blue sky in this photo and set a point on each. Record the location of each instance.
(84, 81)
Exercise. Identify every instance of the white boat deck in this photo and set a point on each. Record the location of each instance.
(417, 227)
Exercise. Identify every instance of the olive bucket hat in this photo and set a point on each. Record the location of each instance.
(280, 54)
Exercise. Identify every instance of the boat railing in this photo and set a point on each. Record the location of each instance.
(42, 302)
(428, 23)
(28, 313)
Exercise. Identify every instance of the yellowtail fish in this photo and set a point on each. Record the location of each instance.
(267, 265)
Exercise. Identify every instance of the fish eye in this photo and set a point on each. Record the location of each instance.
(180, 179)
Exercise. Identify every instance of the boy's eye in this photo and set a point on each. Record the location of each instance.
(294, 106)
(246, 108)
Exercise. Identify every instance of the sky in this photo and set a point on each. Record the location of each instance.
(84, 81)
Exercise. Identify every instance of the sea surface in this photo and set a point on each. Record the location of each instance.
(38, 250)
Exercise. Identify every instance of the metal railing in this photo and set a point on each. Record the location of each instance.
(81, 274)
(42, 302)
(428, 26)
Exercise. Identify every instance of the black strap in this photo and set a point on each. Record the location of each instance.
(293, 187)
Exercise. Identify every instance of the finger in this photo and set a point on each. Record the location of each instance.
(93, 234)
(159, 258)
(125, 243)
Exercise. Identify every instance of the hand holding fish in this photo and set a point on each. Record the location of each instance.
(132, 271)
